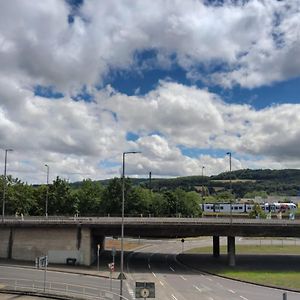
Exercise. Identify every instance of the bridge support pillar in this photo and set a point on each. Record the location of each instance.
(231, 250)
(216, 246)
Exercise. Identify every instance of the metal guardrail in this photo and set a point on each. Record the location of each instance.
(57, 288)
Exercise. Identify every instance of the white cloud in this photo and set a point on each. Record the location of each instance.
(257, 41)
(74, 137)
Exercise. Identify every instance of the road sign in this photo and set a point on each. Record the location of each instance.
(144, 290)
(111, 267)
(41, 261)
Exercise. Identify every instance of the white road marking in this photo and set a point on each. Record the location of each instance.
(172, 269)
(130, 291)
(244, 298)
(183, 277)
(197, 288)
(209, 279)
(161, 283)
(154, 274)
(174, 297)
(231, 291)
(149, 266)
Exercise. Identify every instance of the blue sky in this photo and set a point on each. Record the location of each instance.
(184, 82)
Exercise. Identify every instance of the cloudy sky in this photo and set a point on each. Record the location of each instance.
(184, 82)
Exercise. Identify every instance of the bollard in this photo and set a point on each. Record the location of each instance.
(284, 296)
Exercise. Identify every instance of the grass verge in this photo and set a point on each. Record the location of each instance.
(273, 265)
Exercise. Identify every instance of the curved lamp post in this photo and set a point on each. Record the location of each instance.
(122, 227)
(4, 183)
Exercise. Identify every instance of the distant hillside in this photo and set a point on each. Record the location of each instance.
(266, 174)
(273, 182)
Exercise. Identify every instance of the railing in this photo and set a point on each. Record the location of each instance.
(57, 288)
(142, 220)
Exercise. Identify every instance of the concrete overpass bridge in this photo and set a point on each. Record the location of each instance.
(63, 237)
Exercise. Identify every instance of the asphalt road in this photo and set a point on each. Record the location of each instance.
(69, 283)
(175, 281)
(157, 262)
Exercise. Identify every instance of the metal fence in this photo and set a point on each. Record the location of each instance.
(58, 288)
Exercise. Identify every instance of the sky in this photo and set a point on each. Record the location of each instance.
(183, 82)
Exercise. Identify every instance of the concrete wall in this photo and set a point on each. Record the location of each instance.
(58, 243)
(4, 242)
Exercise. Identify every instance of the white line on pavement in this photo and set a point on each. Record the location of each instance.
(244, 298)
(197, 288)
(174, 297)
(231, 291)
(154, 274)
(161, 283)
(172, 269)
(182, 277)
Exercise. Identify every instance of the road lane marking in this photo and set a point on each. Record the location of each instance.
(197, 288)
(154, 274)
(231, 291)
(149, 266)
(183, 277)
(244, 298)
(161, 283)
(172, 269)
(130, 290)
(174, 297)
(209, 279)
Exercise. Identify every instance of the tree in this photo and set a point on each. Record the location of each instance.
(88, 198)
(19, 197)
(257, 212)
(60, 201)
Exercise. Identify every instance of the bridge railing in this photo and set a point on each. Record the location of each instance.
(143, 220)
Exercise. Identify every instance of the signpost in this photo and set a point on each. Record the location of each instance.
(111, 270)
(144, 290)
(42, 262)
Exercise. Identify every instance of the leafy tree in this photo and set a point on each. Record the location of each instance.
(60, 200)
(112, 196)
(137, 201)
(257, 212)
(88, 198)
(225, 196)
(19, 197)
(158, 205)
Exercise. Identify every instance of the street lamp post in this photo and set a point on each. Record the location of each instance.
(47, 192)
(122, 226)
(229, 153)
(4, 184)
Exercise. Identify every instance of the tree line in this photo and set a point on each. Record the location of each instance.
(91, 198)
